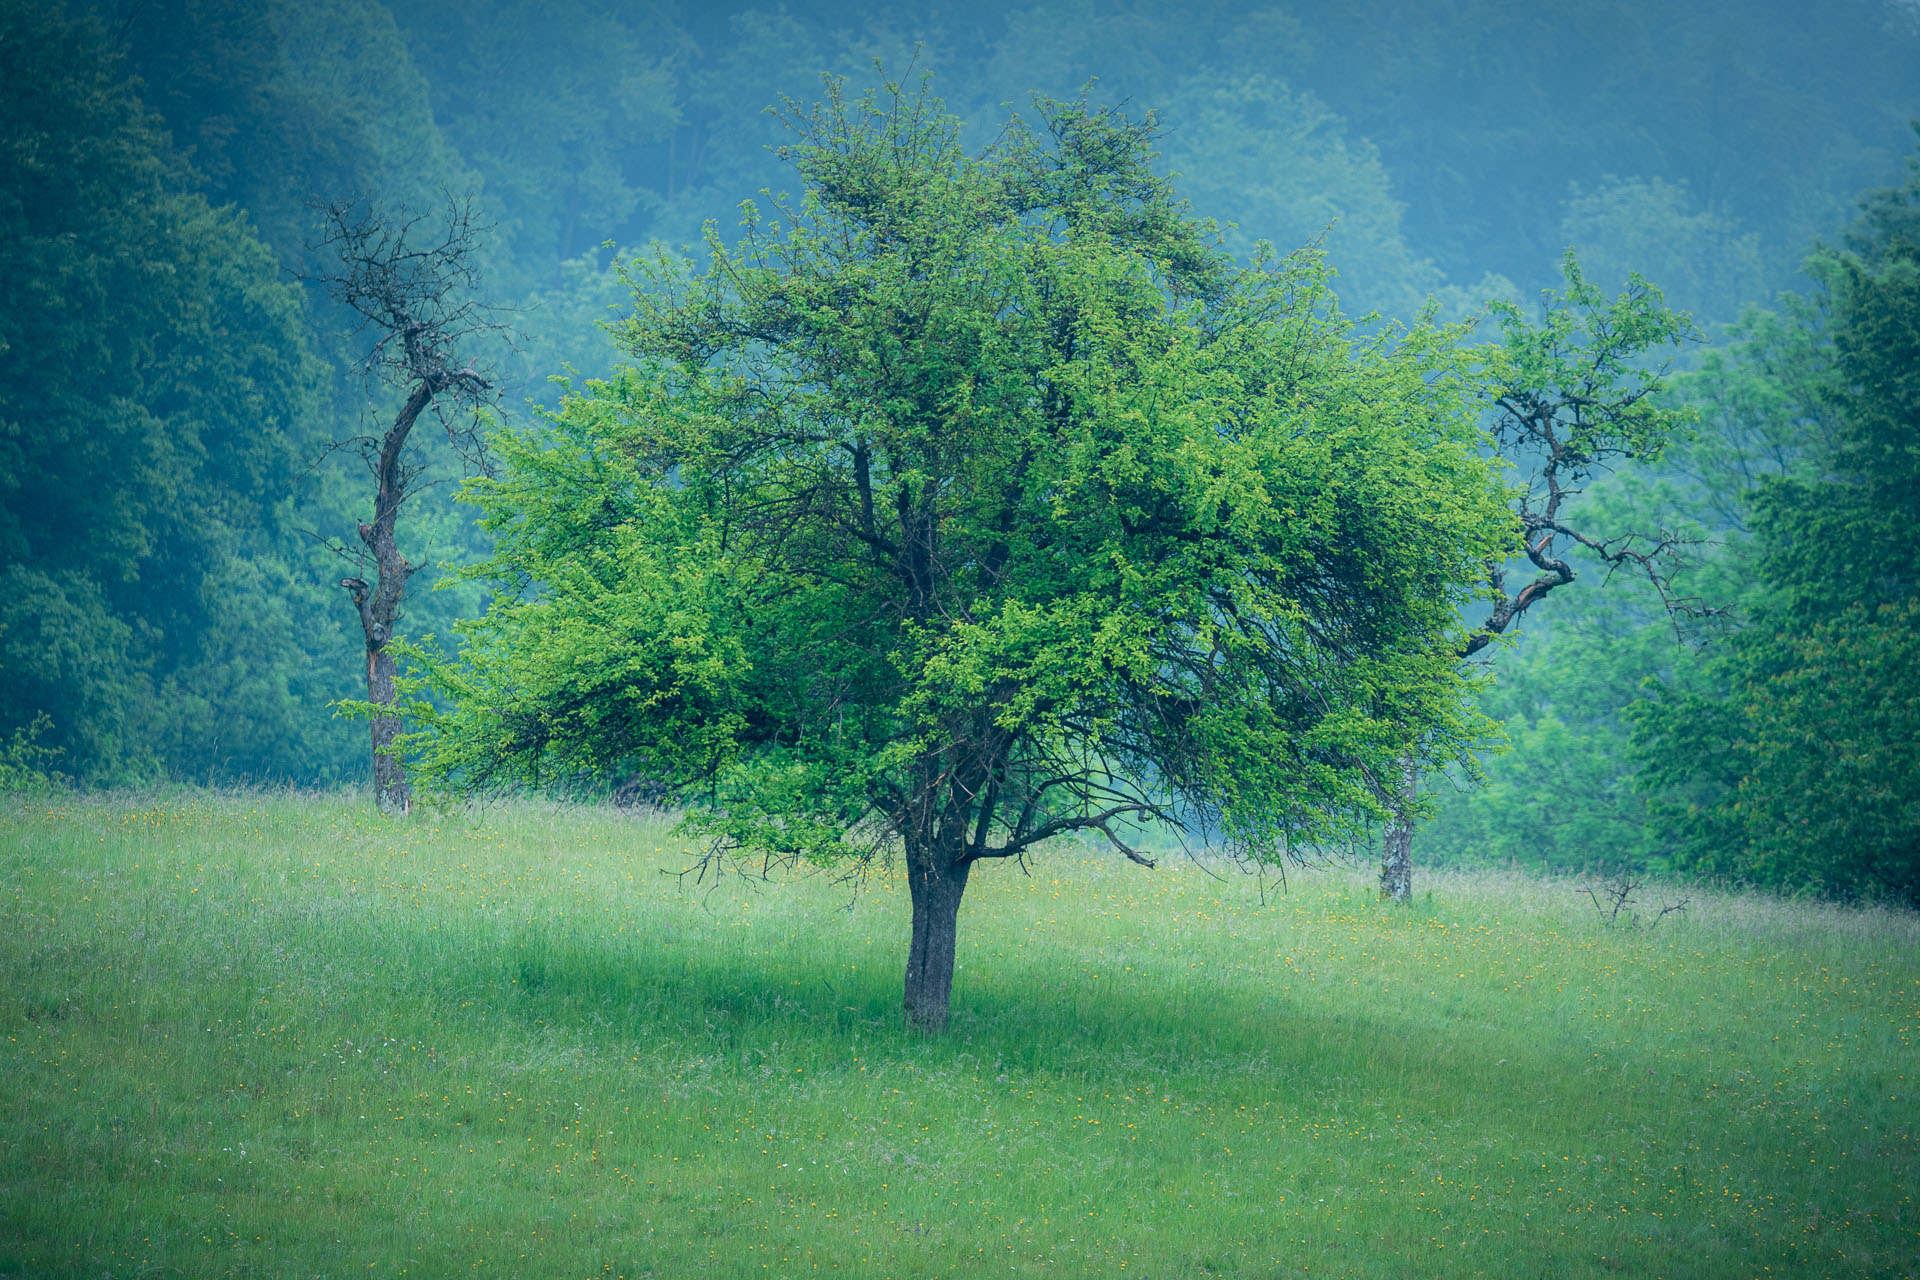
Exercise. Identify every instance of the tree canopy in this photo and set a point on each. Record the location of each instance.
(973, 501)
(155, 402)
(1795, 759)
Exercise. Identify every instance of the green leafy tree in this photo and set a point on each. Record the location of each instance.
(1797, 762)
(1572, 398)
(1567, 794)
(974, 502)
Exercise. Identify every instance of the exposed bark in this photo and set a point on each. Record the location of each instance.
(936, 883)
(1396, 864)
(389, 773)
(379, 603)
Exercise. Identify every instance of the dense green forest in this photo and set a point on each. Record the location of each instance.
(183, 397)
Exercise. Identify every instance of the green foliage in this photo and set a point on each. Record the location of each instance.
(1449, 136)
(70, 667)
(1279, 167)
(1854, 509)
(281, 103)
(118, 292)
(1762, 411)
(551, 103)
(26, 764)
(1796, 765)
(1806, 777)
(1576, 399)
(1559, 791)
(1584, 366)
(983, 488)
(155, 404)
(1706, 265)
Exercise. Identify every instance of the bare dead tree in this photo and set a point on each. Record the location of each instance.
(1571, 401)
(1614, 899)
(410, 280)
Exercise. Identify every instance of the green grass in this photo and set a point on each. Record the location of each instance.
(252, 1035)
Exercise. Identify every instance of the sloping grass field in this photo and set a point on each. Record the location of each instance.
(279, 1036)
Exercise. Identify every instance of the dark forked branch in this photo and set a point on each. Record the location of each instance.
(1571, 402)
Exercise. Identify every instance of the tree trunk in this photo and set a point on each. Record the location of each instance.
(1396, 865)
(1396, 868)
(389, 774)
(936, 883)
(379, 603)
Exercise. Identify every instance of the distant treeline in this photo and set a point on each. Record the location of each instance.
(170, 390)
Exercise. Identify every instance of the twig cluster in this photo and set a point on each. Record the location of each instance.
(1613, 899)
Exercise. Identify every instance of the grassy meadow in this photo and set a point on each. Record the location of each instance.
(278, 1035)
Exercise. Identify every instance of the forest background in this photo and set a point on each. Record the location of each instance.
(169, 389)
